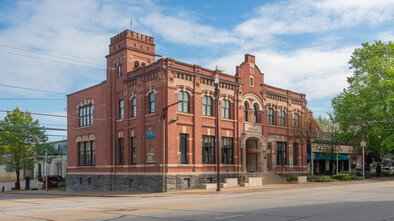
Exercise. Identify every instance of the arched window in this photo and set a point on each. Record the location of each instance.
(134, 107)
(151, 103)
(207, 106)
(183, 106)
(246, 109)
(271, 116)
(282, 118)
(255, 109)
(226, 109)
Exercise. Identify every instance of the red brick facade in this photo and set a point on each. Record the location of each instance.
(254, 148)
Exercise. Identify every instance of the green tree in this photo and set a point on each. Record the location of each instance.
(22, 142)
(365, 108)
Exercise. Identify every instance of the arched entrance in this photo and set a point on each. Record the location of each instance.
(254, 153)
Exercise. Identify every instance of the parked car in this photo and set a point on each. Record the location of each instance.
(53, 180)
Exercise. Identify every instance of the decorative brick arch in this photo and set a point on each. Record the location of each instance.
(252, 99)
(262, 152)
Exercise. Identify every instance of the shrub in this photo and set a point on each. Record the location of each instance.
(342, 177)
(292, 178)
(333, 180)
(311, 177)
(322, 179)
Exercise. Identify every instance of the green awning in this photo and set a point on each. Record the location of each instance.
(326, 156)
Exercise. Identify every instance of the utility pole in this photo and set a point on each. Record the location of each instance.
(45, 170)
(337, 162)
(363, 143)
(217, 132)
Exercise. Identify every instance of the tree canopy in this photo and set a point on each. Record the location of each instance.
(365, 107)
(22, 142)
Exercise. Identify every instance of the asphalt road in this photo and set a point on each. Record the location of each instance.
(362, 201)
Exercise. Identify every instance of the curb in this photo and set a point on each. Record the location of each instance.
(193, 191)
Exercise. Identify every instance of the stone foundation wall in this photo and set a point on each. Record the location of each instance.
(90, 182)
(144, 183)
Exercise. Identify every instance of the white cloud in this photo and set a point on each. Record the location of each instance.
(309, 16)
(316, 72)
(182, 30)
(386, 36)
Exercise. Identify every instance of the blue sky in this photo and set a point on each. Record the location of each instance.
(303, 46)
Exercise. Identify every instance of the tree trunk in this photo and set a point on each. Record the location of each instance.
(18, 183)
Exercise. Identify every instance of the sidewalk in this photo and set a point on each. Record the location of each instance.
(190, 191)
(7, 186)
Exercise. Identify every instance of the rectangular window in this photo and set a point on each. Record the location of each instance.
(81, 154)
(270, 116)
(121, 109)
(296, 120)
(251, 82)
(295, 152)
(281, 153)
(152, 103)
(226, 109)
(86, 153)
(282, 118)
(208, 149)
(133, 150)
(207, 106)
(183, 148)
(227, 150)
(121, 151)
(86, 115)
(183, 105)
(134, 107)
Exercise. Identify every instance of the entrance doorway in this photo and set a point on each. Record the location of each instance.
(252, 155)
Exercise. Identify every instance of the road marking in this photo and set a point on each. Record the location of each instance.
(359, 198)
(225, 203)
(226, 217)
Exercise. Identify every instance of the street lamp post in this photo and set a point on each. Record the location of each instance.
(216, 82)
(164, 115)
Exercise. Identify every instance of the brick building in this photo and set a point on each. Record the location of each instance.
(261, 127)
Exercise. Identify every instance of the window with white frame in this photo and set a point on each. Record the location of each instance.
(282, 118)
(86, 115)
(226, 109)
(183, 105)
(207, 105)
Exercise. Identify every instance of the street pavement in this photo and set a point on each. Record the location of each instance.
(350, 201)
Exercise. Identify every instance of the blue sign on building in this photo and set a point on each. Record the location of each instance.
(150, 134)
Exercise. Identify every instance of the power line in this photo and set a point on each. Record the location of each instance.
(57, 129)
(30, 99)
(55, 115)
(61, 62)
(32, 134)
(55, 56)
(46, 43)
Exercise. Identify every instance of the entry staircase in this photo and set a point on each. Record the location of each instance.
(269, 177)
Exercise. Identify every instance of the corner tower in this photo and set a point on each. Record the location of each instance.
(130, 50)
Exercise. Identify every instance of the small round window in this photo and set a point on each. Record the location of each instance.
(142, 64)
(136, 64)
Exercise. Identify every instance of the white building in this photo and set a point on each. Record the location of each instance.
(58, 166)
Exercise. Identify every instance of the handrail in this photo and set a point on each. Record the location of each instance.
(279, 174)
